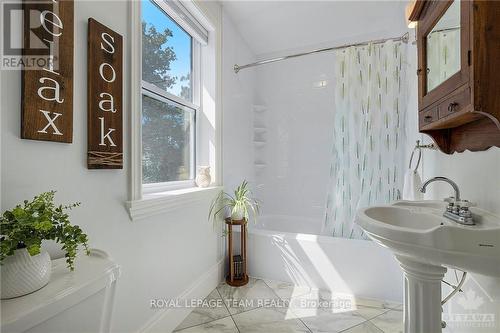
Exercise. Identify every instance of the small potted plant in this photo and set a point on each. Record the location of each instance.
(237, 206)
(235, 209)
(25, 267)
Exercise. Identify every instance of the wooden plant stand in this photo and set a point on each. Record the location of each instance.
(241, 279)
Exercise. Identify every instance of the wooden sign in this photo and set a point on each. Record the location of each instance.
(105, 117)
(47, 87)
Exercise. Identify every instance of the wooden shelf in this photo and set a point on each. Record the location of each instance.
(232, 279)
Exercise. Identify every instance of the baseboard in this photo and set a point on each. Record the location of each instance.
(166, 320)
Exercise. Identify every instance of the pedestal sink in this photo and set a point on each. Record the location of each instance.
(425, 243)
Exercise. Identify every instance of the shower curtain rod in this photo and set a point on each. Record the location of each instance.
(237, 67)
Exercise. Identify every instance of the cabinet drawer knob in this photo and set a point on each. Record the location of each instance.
(452, 106)
(428, 119)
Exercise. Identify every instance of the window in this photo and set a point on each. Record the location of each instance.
(169, 99)
(168, 131)
(175, 116)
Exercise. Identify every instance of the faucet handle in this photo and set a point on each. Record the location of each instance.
(466, 203)
(452, 207)
(450, 200)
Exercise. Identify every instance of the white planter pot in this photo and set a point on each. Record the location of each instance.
(237, 215)
(23, 274)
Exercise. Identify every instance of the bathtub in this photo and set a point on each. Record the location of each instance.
(291, 249)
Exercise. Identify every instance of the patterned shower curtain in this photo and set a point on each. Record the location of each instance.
(367, 153)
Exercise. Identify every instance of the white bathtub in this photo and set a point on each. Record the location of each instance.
(290, 249)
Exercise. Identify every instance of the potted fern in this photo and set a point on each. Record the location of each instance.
(237, 206)
(25, 266)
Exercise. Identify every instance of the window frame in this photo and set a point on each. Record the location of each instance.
(155, 92)
(141, 206)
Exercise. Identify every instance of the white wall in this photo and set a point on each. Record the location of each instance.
(238, 99)
(160, 256)
(477, 174)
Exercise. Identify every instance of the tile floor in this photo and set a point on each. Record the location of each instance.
(264, 306)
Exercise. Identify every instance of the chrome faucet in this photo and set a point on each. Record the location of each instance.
(442, 179)
(457, 210)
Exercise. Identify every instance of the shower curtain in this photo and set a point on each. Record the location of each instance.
(368, 151)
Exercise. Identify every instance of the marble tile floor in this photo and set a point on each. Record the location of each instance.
(264, 306)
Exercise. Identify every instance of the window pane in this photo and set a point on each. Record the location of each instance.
(166, 52)
(167, 141)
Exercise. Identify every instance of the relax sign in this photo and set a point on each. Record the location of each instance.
(105, 124)
(47, 91)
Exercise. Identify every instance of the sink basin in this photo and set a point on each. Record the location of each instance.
(422, 204)
(425, 243)
(398, 218)
(418, 230)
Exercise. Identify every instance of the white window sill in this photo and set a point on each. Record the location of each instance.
(163, 202)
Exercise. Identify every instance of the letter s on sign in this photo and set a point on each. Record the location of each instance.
(108, 42)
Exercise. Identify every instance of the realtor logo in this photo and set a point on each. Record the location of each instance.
(471, 309)
(29, 35)
(470, 301)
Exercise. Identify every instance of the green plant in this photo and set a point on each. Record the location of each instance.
(239, 204)
(27, 225)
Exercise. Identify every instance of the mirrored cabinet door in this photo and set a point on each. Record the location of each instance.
(443, 47)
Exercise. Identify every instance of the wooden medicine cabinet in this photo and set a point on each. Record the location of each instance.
(458, 45)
